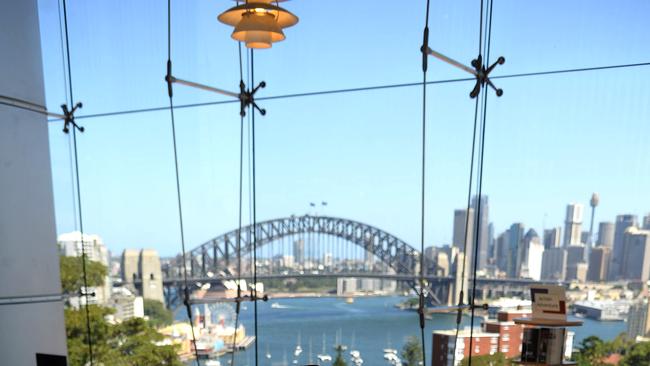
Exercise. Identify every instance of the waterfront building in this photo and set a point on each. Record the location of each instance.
(553, 237)
(636, 255)
(623, 222)
(484, 231)
(554, 262)
(638, 321)
(514, 238)
(573, 224)
(141, 269)
(598, 264)
(605, 234)
(72, 245)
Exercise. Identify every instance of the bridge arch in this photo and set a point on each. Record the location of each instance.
(220, 252)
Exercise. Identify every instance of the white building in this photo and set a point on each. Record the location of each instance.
(72, 245)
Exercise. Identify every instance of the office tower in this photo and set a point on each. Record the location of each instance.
(575, 257)
(605, 234)
(523, 253)
(623, 222)
(532, 267)
(553, 237)
(442, 264)
(501, 251)
(459, 280)
(483, 229)
(646, 222)
(491, 245)
(573, 224)
(72, 245)
(598, 264)
(636, 255)
(638, 321)
(515, 237)
(299, 251)
(459, 239)
(554, 264)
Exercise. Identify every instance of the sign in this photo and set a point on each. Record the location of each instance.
(548, 302)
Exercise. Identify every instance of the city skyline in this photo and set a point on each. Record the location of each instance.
(546, 145)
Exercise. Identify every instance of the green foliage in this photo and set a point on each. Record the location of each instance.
(131, 342)
(72, 274)
(157, 313)
(339, 360)
(412, 352)
(497, 359)
(592, 350)
(637, 355)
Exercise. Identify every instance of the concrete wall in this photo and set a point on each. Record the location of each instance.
(31, 310)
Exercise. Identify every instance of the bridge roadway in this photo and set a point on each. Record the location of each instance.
(432, 280)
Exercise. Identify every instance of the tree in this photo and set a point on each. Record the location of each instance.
(592, 351)
(637, 355)
(497, 359)
(72, 274)
(412, 352)
(132, 342)
(339, 360)
(157, 313)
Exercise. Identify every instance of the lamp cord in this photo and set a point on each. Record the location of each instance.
(186, 293)
(252, 113)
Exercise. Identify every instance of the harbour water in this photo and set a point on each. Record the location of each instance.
(368, 325)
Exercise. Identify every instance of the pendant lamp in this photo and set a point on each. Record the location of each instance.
(258, 24)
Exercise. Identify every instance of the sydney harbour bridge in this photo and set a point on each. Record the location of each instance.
(218, 259)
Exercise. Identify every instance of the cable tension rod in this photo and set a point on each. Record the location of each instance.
(245, 96)
(479, 70)
(67, 116)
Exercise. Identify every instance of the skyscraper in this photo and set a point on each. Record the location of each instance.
(484, 230)
(515, 237)
(573, 224)
(623, 222)
(636, 255)
(598, 264)
(638, 323)
(299, 251)
(605, 234)
(646, 222)
(553, 237)
(554, 264)
(459, 239)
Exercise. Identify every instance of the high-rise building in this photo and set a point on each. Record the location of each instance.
(491, 245)
(501, 251)
(553, 237)
(554, 264)
(459, 240)
(623, 222)
(605, 234)
(636, 255)
(638, 321)
(515, 237)
(459, 280)
(299, 251)
(529, 265)
(646, 222)
(598, 264)
(575, 261)
(573, 224)
(72, 245)
(483, 221)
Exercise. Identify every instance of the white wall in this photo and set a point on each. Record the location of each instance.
(30, 314)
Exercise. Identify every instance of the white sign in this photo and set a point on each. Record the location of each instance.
(549, 302)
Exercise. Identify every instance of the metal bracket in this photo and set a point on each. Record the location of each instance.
(247, 98)
(480, 72)
(69, 118)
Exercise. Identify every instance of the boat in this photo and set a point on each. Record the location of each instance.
(212, 363)
(275, 305)
(298, 349)
(349, 300)
(355, 354)
(324, 357)
(268, 353)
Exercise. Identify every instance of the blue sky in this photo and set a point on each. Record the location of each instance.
(550, 140)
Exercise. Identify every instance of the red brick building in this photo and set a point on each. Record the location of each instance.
(497, 335)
